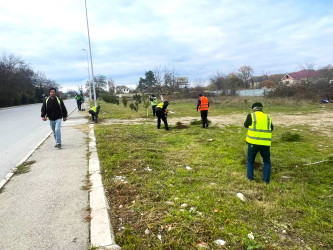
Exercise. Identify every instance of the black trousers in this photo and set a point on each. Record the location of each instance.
(78, 102)
(153, 108)
(204, 114)
(94, 116)
(162, 116)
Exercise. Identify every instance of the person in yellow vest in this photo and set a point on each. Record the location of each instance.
(259, 139)
(54, 109)
(203, 106)
(153, 102)
(161, 113)
(94, 113)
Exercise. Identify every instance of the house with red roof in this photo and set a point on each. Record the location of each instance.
(302, 76)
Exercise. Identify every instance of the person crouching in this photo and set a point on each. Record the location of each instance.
(161, 113)
(94, 113)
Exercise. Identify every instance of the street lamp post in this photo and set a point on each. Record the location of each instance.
(89, 82)
(91, 63)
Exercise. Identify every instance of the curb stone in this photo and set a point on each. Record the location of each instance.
(101, 232)
(4, 181)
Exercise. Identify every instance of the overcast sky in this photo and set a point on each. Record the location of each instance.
(196, 38)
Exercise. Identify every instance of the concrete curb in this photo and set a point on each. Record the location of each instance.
(11, 173)
(101, 232)
(26, 157)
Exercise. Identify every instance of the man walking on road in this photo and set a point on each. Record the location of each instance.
(258, 138)
(203, 106)
(54, 109)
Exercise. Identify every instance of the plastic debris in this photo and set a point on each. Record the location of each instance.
(184, 205)
(147, 231)
(188, 168)
(241, 196)
(251, 236)
(193, 209)
(159, 237)
(202, 245)
(220, 242)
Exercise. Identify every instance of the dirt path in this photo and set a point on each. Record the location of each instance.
(322, 121)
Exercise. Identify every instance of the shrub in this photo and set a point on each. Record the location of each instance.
(133, 107)
(110, 99)
(124, 101)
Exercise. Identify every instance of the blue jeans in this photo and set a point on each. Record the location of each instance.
(55, 126)
(266, 156)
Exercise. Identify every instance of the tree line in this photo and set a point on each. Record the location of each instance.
(20, 84)
(159, 81)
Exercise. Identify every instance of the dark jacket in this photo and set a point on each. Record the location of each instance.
(53, 110)
(248, 121)
(165, 105)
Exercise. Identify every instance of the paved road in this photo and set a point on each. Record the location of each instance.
(21, 130)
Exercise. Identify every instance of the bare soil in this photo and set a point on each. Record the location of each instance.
(320, 121)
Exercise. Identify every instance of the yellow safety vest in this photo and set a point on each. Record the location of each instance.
(154, 101)
(58, 100)
(160, 105)
(94, 109)
(260, 131)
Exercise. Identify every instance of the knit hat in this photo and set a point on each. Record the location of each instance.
(52, 89)
(257, 105)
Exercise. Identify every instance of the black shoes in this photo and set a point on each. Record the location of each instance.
(58, 146)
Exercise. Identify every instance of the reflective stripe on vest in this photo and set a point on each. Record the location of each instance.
(160, 105)
(47, 99)
(260, 131)
(203, 103)
(154, 102)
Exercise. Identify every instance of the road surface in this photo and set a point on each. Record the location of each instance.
(21, 130)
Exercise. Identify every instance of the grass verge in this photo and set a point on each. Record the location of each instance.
(177, 189)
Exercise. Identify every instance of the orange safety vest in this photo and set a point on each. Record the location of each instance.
(204, 103)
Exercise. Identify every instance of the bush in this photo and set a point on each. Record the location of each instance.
(110, 99)
(133, 107)
(124, 101)
(312, 90)
(137, 98)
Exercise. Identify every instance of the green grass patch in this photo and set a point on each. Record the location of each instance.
(176, 189)
(23, 168)
(288, 136)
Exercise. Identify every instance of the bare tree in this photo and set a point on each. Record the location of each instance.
(326, 72)
(245, 73)
(219, 81)
(158, 75)
(111, 85)
(266, 74)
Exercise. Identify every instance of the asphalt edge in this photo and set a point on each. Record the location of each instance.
(101, 231)
(4, 181)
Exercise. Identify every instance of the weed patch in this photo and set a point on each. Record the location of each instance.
(288, 136)
(23, 168)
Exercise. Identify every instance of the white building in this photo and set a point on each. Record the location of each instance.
(121, 90)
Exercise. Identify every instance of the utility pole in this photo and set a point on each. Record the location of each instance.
(91, 62)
